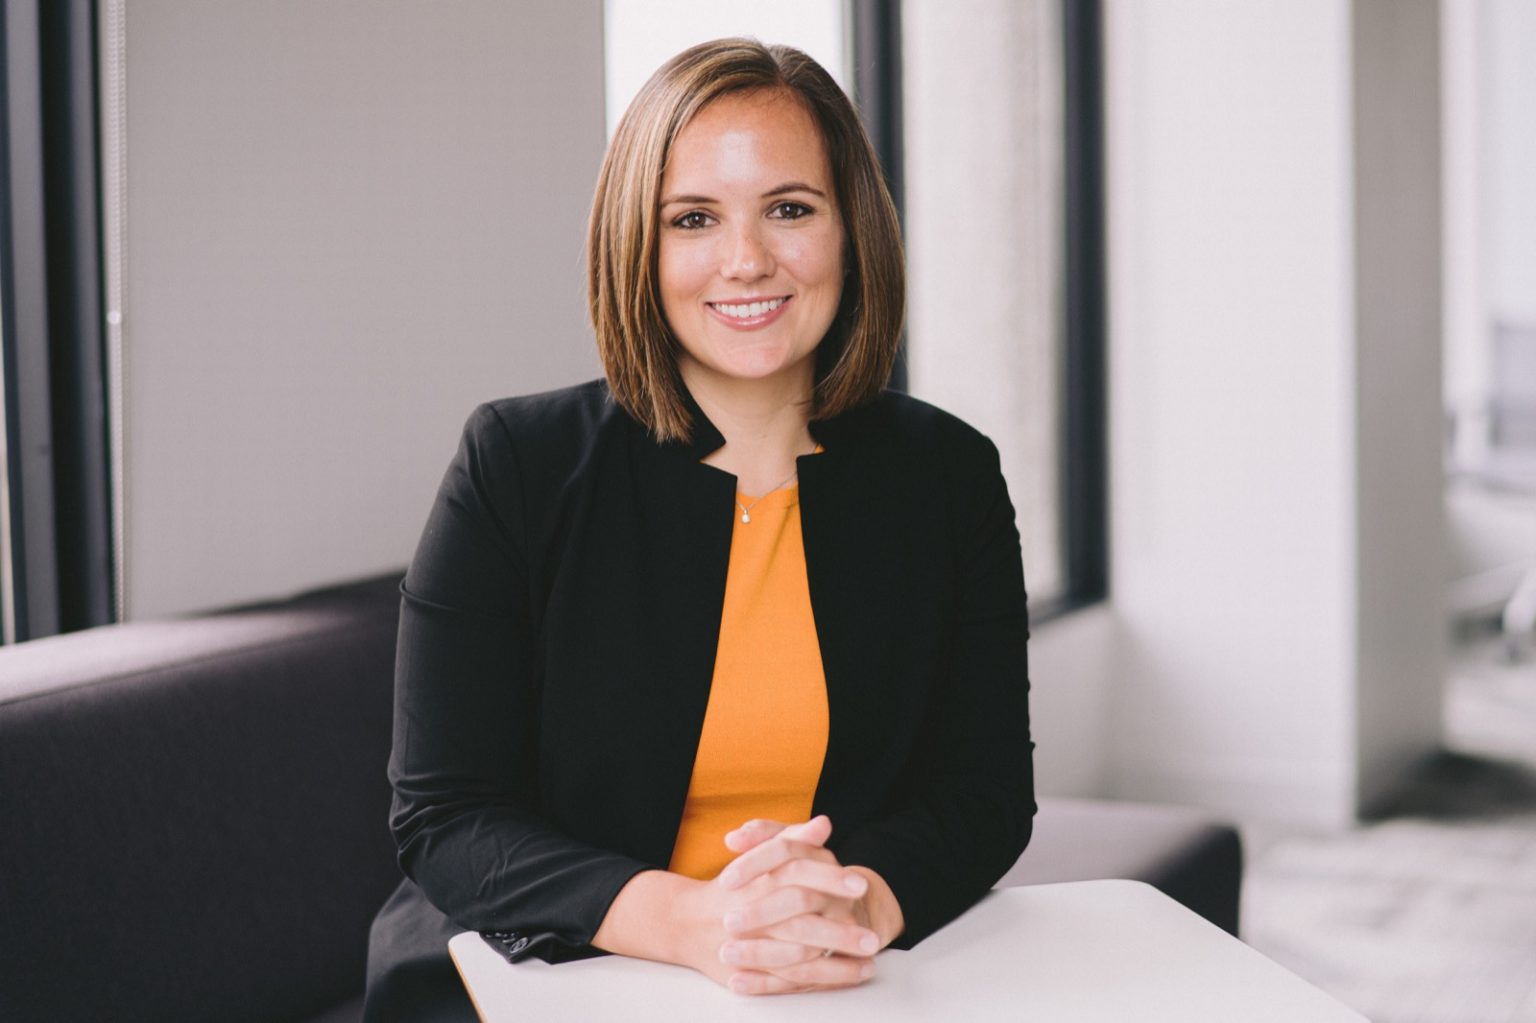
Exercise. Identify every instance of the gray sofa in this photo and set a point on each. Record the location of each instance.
(193, 817)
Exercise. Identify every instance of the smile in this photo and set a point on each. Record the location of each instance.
(748, 312)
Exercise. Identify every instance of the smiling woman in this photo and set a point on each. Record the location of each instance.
(719, 661)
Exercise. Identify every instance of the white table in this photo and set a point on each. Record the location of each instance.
(1083, 952)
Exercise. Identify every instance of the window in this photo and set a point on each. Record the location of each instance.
(1002, 221)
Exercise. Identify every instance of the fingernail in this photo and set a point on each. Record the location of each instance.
(854, 883)
(869, 943)
(730, 953)
(738, 984)
(732, 921)
(728, 877)
(866, 971)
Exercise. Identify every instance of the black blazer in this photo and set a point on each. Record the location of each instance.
(557, 641)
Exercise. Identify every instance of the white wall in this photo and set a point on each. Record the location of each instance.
(1251, 634)
(347, 223)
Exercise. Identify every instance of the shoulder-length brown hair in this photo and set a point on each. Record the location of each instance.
(639, 352)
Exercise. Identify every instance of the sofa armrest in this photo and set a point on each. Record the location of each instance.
(1186, 854)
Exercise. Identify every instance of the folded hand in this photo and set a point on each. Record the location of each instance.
(796, 920)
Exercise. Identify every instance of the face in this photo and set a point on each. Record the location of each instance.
(750, 256)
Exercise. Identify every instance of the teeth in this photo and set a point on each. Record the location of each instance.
(748, 310)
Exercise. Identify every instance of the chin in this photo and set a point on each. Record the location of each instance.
(754, 366)
(759, 372)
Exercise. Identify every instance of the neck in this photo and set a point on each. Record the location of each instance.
(764, 423)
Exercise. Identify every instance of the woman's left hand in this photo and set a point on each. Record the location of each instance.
(801, 895)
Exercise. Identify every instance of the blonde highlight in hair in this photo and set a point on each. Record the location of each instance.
(639, 352)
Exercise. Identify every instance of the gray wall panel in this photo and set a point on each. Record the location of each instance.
(346, 224)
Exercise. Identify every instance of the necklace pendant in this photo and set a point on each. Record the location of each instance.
(745, 517)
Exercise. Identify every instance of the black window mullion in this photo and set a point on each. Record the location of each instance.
(83, 522)
(24, 308)
(1084, 464)
(875, 27)
(1083, 507)
(55, 412)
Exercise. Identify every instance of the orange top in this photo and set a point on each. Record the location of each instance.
(765, 729)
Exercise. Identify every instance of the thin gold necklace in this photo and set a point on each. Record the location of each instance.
(746, 510)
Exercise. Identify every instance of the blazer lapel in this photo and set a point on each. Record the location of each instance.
(835, 492)
(686, 509)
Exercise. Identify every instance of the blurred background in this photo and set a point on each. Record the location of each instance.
(1245, 293)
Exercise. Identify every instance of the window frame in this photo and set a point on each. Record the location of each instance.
(1083, 440)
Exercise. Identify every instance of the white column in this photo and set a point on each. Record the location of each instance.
(1268, 405)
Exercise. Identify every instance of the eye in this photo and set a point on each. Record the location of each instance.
(791, 211)
(692, 220)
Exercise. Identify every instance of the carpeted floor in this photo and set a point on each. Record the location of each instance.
(1429, 914)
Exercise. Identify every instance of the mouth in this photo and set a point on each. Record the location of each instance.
(750, 313)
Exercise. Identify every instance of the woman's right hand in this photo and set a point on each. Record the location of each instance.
(671, 918)
(812, 938)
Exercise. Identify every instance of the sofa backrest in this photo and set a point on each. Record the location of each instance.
(193, 813)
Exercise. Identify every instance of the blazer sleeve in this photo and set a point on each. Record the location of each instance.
(972, 802)
(465, 815)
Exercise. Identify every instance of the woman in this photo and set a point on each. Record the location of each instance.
(720, 661)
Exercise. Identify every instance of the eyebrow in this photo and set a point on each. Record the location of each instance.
(787, 187)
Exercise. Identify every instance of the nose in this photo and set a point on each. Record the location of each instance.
(747, 255)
